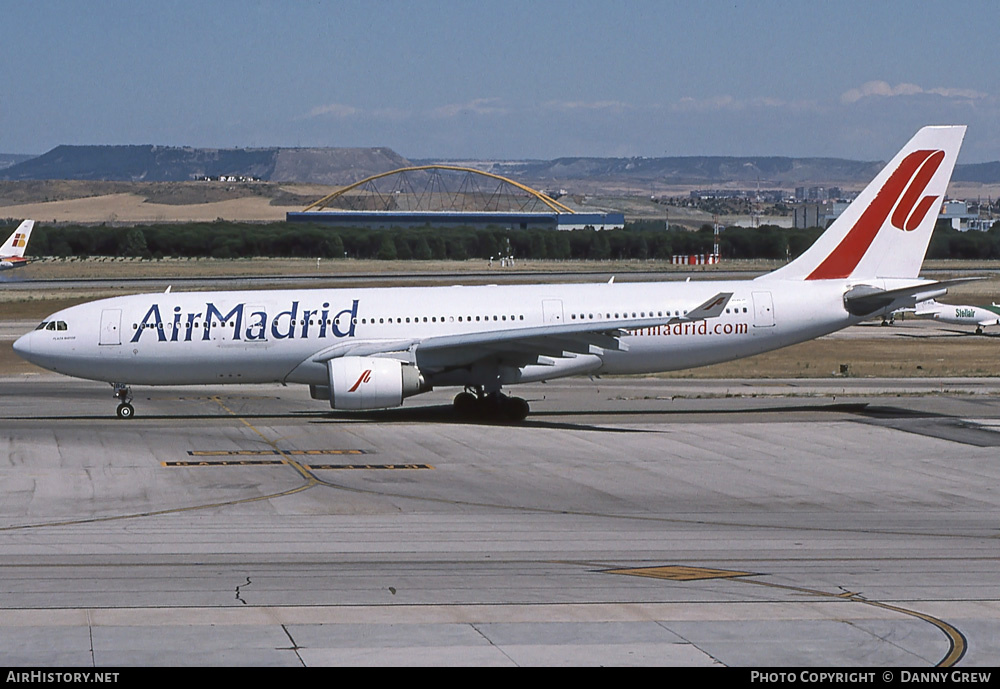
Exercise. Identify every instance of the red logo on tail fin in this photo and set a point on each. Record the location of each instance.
(905, 185)
(908, 214)
(363, 378)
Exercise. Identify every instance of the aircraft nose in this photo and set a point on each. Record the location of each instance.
(23, 346)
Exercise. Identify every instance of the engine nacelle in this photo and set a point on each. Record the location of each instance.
(358, 382)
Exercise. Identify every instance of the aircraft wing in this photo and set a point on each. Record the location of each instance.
(522, 344)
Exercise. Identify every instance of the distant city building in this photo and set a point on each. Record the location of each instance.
(766, 195)
(818, 194)
(958, 215)
(810, 215)
(955, 212)
(836, 208)
(227, 178)
(980, 224)
(709, 194)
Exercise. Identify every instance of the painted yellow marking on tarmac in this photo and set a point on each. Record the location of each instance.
(679, 573)
(377, 467)
(310, 482)
(302, 471)
(956, 640)
(254, 453)
(225, 463)
(282, 462)
(957, 644)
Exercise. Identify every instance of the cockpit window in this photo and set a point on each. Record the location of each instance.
(51, 325)
(41, 326)
(60, 325)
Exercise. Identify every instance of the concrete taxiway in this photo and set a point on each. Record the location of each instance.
(626, 522)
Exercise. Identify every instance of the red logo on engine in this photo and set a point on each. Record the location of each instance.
(363, 378)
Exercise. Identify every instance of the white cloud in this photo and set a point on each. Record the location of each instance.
(882, 89)
(727, 103)
(338, 111)
(687, 103)
(967, 94)
(477, 106)
(600, 105)
(335, 110)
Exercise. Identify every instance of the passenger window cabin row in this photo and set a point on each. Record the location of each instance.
(60, 325)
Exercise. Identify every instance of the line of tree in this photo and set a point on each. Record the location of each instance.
(639, 240)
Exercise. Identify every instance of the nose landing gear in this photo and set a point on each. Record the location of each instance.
(124, 394)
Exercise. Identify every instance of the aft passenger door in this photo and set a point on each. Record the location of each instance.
(763, 310)
(552, 311)
(111, 327)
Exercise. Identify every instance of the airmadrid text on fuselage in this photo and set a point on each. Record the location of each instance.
(250, 323)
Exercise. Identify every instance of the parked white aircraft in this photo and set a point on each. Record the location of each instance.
(12, 251)
(979, 316)
(371, 348)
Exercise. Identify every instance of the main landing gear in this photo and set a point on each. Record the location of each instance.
(124, 394)
(475, 403)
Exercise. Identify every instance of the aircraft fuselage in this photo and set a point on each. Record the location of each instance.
(273, 336)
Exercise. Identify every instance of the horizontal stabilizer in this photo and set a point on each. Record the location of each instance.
(865, 300)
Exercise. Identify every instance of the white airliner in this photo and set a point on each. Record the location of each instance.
(12, 251)
(370, 348)
(979, 316)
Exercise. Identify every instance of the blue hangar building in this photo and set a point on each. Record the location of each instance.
(441, 195)
(523, 221)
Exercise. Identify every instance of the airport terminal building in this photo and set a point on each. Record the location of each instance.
(514, 221)
(448, 196)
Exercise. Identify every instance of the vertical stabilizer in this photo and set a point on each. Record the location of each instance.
(17, 242)
(884, 233)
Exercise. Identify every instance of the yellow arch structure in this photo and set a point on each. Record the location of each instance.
(547, 200)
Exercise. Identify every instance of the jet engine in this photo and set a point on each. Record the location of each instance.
(358, 382)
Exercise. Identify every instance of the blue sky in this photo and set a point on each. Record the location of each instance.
(503, 79)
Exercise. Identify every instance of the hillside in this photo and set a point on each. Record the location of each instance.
(702, 170)
(982, 173)
(341, 166)
(173, 164)
(10, 159)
